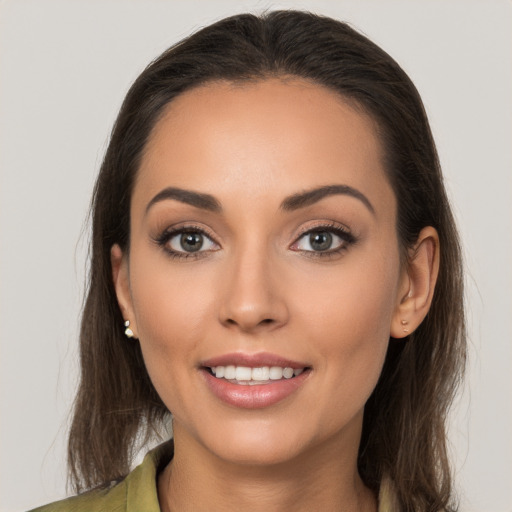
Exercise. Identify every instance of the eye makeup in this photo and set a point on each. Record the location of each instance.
(324, 240)
(186, 241)
(190, 241)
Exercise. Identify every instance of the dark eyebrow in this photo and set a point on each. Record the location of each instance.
(303, 199)
(199, 200)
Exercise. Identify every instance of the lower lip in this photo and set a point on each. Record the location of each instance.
(257, 396)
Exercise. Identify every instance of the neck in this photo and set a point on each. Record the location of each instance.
(325, 478)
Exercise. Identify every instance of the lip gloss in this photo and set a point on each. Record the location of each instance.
(255, 396)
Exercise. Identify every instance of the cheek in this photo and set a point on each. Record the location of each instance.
(349, 312)
(170, 303)
(355, 299)
(172, 312)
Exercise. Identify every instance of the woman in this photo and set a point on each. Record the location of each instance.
(274, 262)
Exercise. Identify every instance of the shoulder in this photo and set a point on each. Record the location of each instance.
(113, 499)
(138, 491)
(388, 500)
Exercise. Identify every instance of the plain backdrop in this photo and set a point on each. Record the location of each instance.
(64, 69)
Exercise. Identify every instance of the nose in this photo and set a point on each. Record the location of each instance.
(254, 295)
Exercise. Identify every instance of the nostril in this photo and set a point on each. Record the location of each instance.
(250, 325)
(264, 321)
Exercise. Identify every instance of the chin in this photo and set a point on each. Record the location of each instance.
(250, 442)
(260, 452)
(271, 441)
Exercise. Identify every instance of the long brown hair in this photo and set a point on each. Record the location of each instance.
(404, 431)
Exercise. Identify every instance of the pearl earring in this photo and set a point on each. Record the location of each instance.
(404, 323)
(128, 332)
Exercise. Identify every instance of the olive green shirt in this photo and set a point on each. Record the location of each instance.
(138, 491)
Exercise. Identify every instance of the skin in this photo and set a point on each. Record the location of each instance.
(259, 288)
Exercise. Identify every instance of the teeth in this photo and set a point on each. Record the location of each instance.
(288, 373)
(229, 372)
(254, 375)
(259, 373)
(243, 373)
(276, 373)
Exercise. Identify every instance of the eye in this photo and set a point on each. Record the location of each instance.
(190, 242)
(319, 241)
(186, 242)
(324, 240)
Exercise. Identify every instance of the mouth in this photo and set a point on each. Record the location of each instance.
(254, 376)
(254, 381)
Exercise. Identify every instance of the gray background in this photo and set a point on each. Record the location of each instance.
(64, 69)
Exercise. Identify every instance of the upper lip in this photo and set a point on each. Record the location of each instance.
(253, 360)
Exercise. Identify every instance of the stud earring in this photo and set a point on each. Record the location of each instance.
(128, 332)
(404, 323)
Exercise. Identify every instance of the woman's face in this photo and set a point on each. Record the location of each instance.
(263, 245)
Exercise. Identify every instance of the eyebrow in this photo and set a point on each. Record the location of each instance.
(197, 199)
(291, 203)
(309, 197)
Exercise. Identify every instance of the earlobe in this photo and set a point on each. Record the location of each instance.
(418, 283)
(120, 277)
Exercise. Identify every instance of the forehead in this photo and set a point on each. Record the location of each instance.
(261, 138)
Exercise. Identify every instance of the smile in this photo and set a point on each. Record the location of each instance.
(245, 375)
(254, 381)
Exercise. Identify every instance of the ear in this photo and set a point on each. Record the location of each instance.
(120, 275)
(417, 284)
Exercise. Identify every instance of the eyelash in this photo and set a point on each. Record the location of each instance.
(163, 239)
(343, 233)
